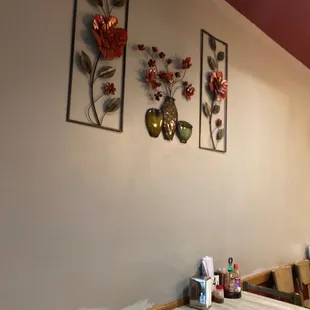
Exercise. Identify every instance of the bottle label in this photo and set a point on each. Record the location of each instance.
(237, 285)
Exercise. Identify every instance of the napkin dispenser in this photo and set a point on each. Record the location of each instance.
(200, 292)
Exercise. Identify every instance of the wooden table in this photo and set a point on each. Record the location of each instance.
(251, 301)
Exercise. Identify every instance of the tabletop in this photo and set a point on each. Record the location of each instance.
(250, 301)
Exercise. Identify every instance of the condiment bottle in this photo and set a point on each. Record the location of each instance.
(221, 273)
(237, 281)
(229, 284)
(218, 294)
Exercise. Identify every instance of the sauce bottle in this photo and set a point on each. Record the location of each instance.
(229, 284)
(237, 281)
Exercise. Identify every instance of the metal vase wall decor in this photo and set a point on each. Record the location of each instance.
(97, 73)
(213, 94)
(163, 84)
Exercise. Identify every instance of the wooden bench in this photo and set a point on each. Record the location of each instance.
(264, 278)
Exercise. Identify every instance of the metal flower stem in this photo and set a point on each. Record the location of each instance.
(216, 61)
(210, 125)
(92, 103)
(99, 97)
(104, 114)
(211, 114)
(104, 12)
(181, 80)
(152, 56)
(176, 90)
(108, 7)
(169, 87)
(109, 10)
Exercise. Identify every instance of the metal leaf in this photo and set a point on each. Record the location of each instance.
(119, 3)
(220, 56)
(207, 109)
(106, 72)
(113, 105)
(212, 43)
(86, 62)
(220, 134)
(216, 109)
(212, 63)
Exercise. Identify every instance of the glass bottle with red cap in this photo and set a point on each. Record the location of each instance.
(236, 276)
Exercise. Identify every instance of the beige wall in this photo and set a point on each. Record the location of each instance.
(92, 218)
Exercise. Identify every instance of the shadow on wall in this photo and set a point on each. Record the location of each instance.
(140, 305)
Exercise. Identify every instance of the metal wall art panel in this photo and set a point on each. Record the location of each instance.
(97, 72)
(163, 77)
(213, 93)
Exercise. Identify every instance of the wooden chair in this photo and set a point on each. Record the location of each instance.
(292, 298)
(283, 279)
(303, 279)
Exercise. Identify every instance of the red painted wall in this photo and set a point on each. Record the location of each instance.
(285, 21)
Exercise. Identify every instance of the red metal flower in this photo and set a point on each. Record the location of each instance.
(162, 55)
(187, 63)
(111, 40)
(162, 74)
(218, 123)
(154, 49)
(141, 47)
(167, 76)
(189, 92)
(151, 78)
(109, 89)
(218, 85)
(152, 63)
(151, 75)
(158, 95)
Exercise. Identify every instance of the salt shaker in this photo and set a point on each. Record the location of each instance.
(218, 294)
